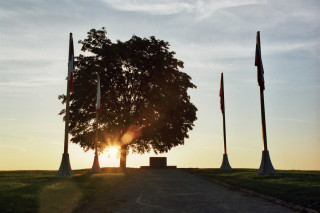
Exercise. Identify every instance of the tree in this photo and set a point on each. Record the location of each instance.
(145, 104)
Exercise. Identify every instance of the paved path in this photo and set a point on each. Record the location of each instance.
(174, 190)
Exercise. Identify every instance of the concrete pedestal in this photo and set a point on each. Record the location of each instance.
(158, 162)
(266, 167)
(96, 166)
(65, 168)
(225, 163)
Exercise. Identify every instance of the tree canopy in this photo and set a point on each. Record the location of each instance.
(145, 104)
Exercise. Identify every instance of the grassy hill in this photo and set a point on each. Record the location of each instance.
(297, 187)
(41, 191)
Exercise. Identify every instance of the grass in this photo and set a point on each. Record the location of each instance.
(298, 187)
(41, 191)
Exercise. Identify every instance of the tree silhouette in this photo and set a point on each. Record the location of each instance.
(144, 97)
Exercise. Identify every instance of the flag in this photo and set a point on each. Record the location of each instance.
(222, 94)
(71, 64)
(258, 63)
(98, 104)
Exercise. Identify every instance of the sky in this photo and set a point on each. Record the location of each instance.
(210, 37)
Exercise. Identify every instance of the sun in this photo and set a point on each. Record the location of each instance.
(113, 151)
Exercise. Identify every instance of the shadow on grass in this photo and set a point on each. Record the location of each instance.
(41, 191)
(19, 189)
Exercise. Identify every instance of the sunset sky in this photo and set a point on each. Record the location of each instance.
(209, 36)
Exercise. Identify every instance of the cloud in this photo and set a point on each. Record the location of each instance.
(55, 143)
(210, 136)
(31, 66)
(209, 53)
(203, 8)
(14, 147)
(294, 120)
(206, 65)
(10, 119)
(31, 83)
(151, 7)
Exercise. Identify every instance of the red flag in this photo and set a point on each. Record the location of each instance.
(258, 63)
(71, 64)
(222, 94)
(98, 104)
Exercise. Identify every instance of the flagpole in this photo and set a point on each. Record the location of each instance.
(224, 119)
(97, 136)
(266, 166)
(224, 135)
(225, 162)
(96, 166)
(65, 167)
(66, 128)
(263, 121)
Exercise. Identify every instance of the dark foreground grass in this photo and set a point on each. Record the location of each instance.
(41, 191)
(298, 187)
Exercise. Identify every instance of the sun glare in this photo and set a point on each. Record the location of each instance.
(113, 152)
(131, 134)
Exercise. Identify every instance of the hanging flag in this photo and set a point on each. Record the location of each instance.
(222, 94)
(258, 63)
(71, 64)
(98, 104)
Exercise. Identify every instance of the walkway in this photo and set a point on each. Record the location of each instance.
(175, 190)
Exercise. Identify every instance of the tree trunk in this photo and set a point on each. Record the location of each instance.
(123, 156)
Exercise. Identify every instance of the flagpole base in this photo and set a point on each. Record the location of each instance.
(266, 167)
(225, 163)
(96, 166)
(65, 168)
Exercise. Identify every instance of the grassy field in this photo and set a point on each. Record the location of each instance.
(298, 187)
(41, 191)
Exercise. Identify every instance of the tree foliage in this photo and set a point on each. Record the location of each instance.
(144, 96)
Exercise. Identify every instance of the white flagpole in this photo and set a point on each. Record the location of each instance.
(96, 166)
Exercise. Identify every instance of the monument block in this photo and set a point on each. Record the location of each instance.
(158, 162)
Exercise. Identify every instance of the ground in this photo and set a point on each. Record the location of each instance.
(174, 190)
